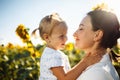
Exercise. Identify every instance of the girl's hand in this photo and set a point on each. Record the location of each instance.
(90, 59)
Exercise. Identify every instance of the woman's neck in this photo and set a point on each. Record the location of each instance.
(96, 51)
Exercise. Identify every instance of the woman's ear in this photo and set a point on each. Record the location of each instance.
(98, 35)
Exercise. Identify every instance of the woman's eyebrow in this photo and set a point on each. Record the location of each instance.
(81, 25)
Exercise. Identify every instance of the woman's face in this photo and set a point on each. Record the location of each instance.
(84, 35)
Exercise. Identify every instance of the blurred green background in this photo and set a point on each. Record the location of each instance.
(22, 62)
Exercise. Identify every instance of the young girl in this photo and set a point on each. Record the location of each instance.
(54, 64)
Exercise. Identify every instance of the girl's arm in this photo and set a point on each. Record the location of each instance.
(75, 72)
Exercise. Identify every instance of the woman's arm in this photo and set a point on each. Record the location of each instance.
(75, 72)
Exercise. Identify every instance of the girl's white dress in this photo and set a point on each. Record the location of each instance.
(104, 70)
(52, 58)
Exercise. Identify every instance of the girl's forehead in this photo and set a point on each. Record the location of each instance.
(60, 28)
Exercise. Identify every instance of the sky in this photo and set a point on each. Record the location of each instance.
(30, 12)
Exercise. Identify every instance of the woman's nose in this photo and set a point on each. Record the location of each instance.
(74, 34)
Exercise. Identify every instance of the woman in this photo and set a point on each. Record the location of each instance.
(97, 32)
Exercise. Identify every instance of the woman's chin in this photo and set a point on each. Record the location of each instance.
(78, 46)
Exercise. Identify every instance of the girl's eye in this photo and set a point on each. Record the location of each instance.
(61, 36)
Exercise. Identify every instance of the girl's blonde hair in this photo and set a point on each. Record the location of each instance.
(48, 23)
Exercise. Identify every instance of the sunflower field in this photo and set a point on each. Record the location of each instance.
(22, 62)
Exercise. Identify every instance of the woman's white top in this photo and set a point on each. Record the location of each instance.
(52, 58)
(104, 70)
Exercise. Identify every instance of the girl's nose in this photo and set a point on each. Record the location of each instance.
(66, 38)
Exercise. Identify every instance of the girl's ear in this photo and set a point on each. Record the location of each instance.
(98, 35)
(45, 36)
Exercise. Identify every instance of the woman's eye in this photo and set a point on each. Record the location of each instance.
(81, 29)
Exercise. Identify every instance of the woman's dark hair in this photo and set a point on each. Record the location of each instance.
(108, 23)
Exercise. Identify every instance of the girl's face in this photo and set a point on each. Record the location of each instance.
(58, 37)
(84, 36)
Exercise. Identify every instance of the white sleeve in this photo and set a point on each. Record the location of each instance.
(96, 74)
(55, 60)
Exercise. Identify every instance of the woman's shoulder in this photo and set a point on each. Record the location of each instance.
(95, 73)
